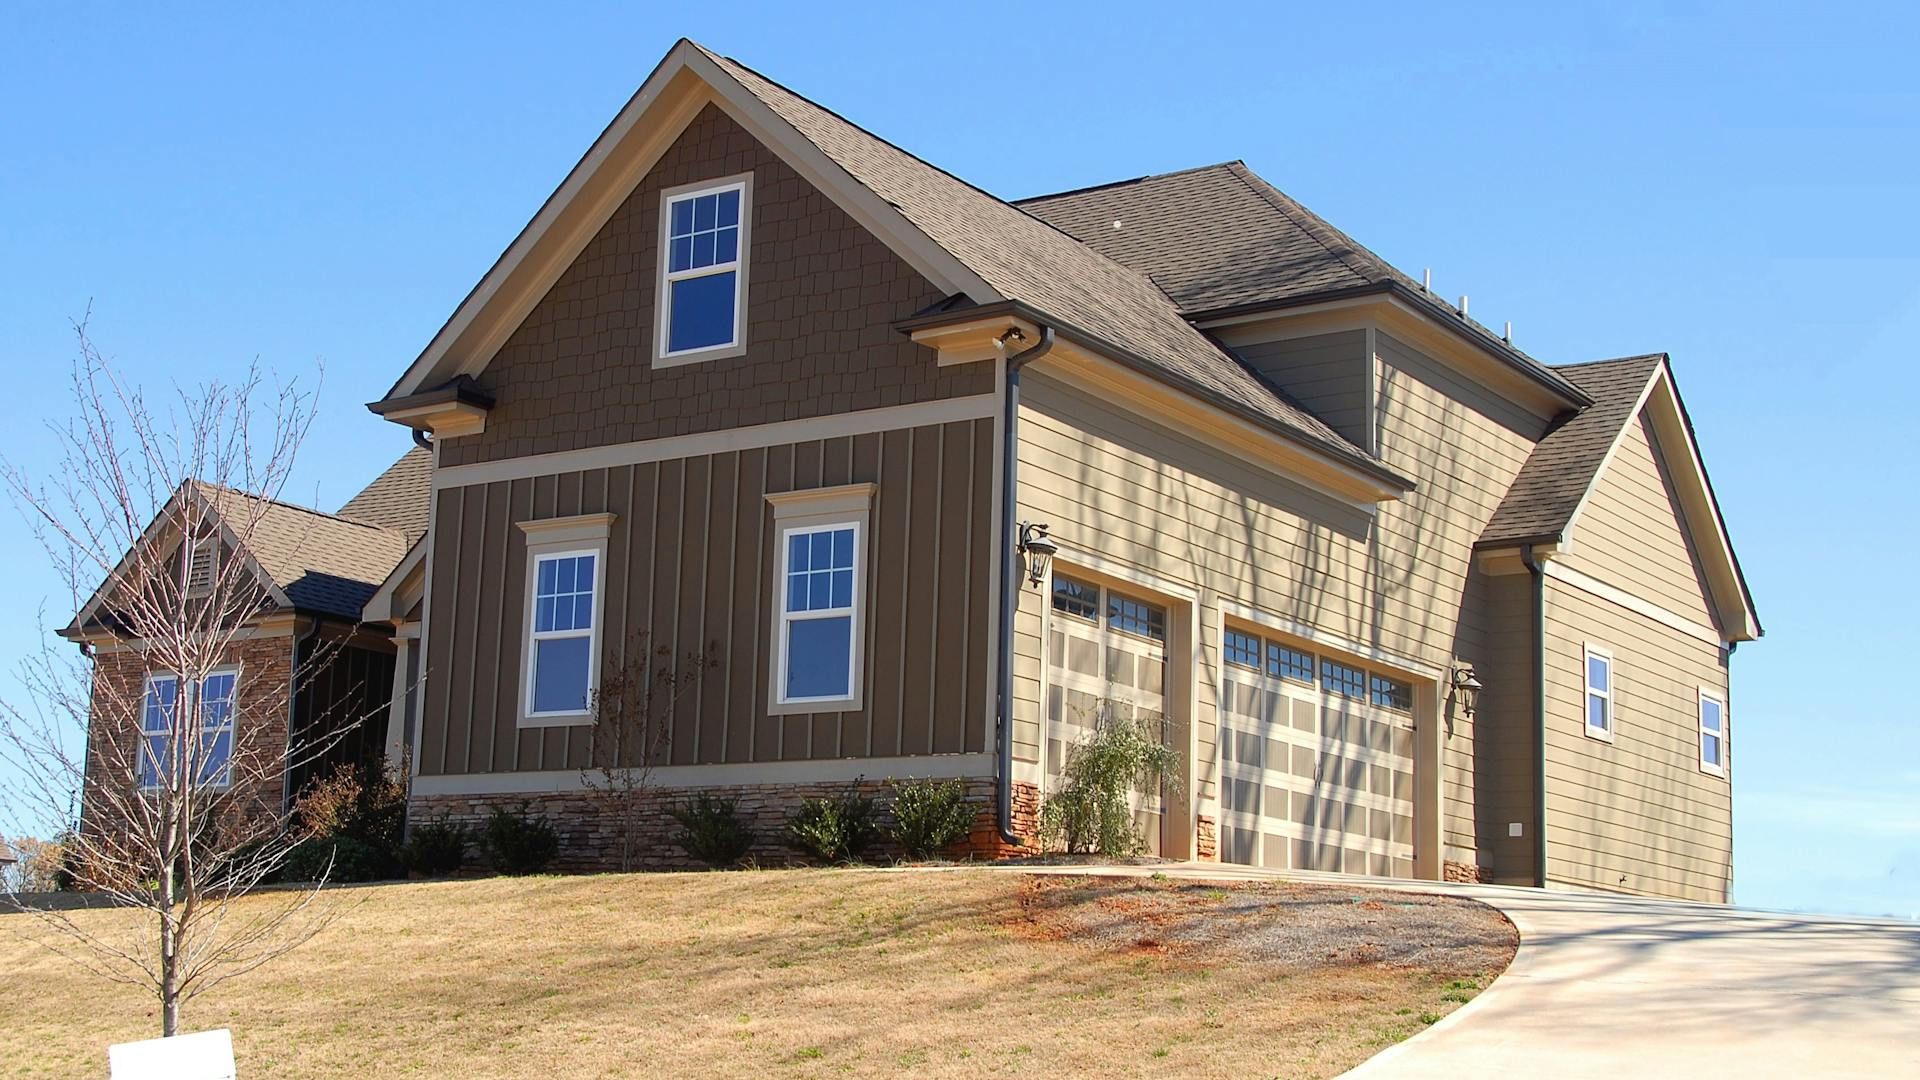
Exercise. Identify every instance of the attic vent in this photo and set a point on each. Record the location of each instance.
(200, 567)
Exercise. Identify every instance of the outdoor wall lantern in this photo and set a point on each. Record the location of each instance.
(1466, 689)
(1039, 548)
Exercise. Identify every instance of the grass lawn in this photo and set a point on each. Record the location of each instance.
(803, 973)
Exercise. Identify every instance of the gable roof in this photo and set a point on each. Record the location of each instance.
(397, 498)
(1219, 238)
(997, 251)
(1563, 466)
(323, 563)
(1545, 500)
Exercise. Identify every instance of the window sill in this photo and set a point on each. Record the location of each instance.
(1599, 736)
(695, 356)
(821, 705)
(544, 720)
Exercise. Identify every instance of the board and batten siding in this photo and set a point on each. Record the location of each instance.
(1630, 532)
(691, 562)
(1137, 495)
(1637, 814)
(1328, 373)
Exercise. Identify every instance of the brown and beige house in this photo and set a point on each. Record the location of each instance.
(942, 478)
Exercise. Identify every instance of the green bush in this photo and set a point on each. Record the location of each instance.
(929, 815)
(710, 831)
(518, 842)
(437, 848)
(1089, 811)
(834, 830)
(352, 860)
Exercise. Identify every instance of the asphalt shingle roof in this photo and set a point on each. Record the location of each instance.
(1563, 465)
(397, 498)
(324, 563)
(1026, 259)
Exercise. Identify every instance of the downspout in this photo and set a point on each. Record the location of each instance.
(1539, 576)
(1009, 581)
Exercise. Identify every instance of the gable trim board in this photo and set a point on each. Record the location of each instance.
(685, 81)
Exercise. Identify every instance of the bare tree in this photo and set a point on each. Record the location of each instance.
(37, 869)
(168, 769)
(632, 710)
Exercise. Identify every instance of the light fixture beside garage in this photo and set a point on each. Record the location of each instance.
(1466, 689)
(1039, 548)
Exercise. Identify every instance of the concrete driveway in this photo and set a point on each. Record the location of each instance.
(1622, 989)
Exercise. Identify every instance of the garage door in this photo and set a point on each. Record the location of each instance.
(1316, 761)
(1106, 658)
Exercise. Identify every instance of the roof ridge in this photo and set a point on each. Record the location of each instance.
(1309, 222)
(1121, 183)
(285, 505)
(1610, 360)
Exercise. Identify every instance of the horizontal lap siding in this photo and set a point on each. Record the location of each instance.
(1630, 533)
(1503, 750)
(1639, 806)
(1146, 497)
(691, 560)
(1328, 373)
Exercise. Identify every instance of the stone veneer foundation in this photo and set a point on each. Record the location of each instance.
(590, 838)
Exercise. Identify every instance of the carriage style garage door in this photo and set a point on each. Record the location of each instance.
(1106, 658)
(1316, 761)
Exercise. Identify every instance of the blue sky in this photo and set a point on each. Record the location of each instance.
(1734, 184)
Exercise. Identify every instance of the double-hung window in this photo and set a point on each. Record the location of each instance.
(566, 578)
(819, 598)
(1600, 693)
(703, 271)
(1713, 733)
(211, 704)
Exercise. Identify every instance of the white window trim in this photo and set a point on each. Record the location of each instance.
(180, 701)
(1611, 694)
(1700, 721)
(811, 511)
(555, 538)
(663, 293)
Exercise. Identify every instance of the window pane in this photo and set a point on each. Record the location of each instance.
(819, 591)
(702, 312)
(1136, 617)
(545, 578)
(1243, 649)
(158, 714)
(216, 702)
(681, 254)
(1599, 674)
(1391, 693)
(1710, 750)
(1710, 714)
(1597, 718)
(1343, 680)
(842, 588)
(1289, 663)
(843, 549)
(153, 759)
(560, 675)
(583, 574)
(726, 245)
(682, 217)
(215, 751)
(703, 208)
(1075, 597)
(729, 208)
(703, 249)
(818, 654)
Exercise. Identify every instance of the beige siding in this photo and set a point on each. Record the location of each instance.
(1143, 497)
(1637, 814)
(1504, 771)
(1328, 373)
(690, 561)
(1630, 533)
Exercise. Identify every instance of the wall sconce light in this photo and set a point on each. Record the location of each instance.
(1466, 689)
(1039, 548)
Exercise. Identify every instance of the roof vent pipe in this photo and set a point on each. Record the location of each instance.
(1508, 336)
(1463, 305)
(1426, 280)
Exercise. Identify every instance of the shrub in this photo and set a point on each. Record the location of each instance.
(836, 829)
(1089, 812)
(364, 800)
(437, 848)
(710, 831)
(351, 858)
(518, 842)
(929, 815)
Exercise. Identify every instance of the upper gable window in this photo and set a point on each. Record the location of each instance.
(1600, 693)
(703, 271)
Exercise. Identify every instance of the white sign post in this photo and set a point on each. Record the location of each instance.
(204, 1055)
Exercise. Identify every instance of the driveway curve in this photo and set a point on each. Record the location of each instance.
(1622, 987)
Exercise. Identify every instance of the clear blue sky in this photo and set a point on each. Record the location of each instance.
(1735, 184)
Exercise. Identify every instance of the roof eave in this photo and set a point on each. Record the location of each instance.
(1135, 362)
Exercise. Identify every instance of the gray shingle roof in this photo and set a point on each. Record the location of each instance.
(1220, 237)
(397, 498)
(1563, 466)
(1024, 258)
(325, 564)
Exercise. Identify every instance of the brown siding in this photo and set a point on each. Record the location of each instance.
(1638, 808)
(1631, 533)
(1328, 373)
(822, 293)
(691, 559)
(1504, 772)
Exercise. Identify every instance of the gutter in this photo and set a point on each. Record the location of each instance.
(1538, 573)
(1009, 581)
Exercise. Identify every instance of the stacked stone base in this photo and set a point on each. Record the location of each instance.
(589, 828)
(1468, 872)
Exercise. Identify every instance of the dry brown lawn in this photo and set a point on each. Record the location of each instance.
(804, 973)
